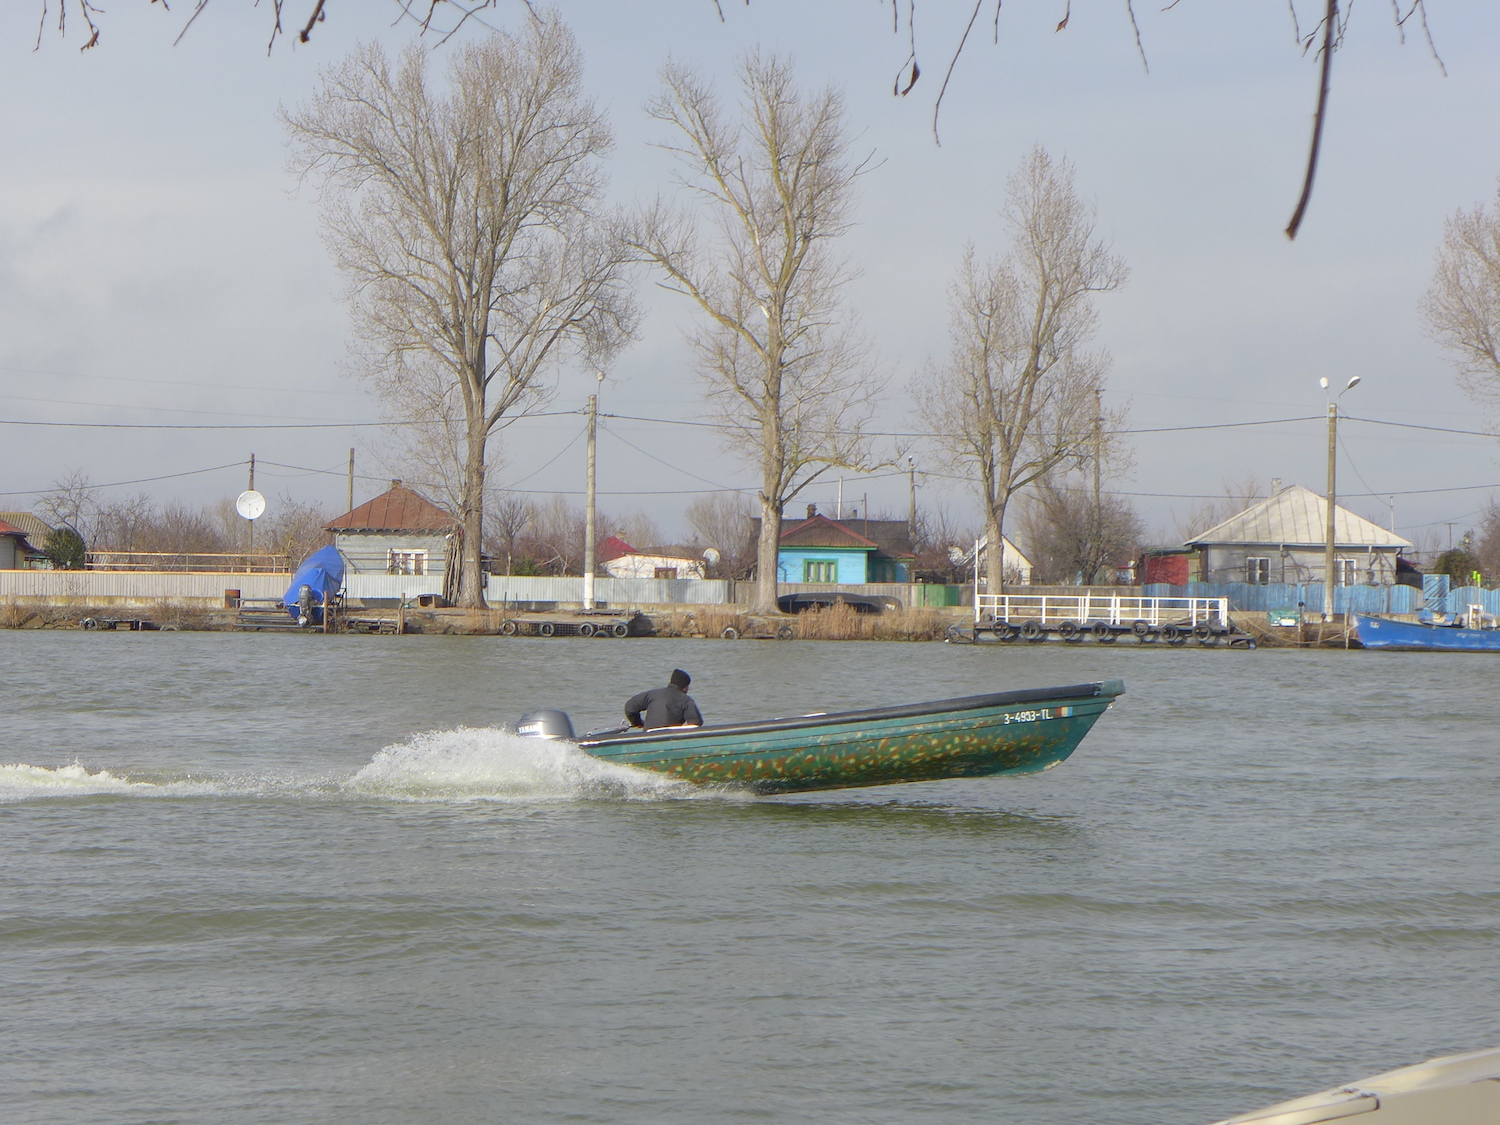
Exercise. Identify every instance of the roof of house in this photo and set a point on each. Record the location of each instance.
(820, 531)
(11, 529)
(1297, 517)
(612, 548)
(672, 553)
(398, 509)
(28, 524)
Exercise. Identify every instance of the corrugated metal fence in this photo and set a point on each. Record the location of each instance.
(102, 587)
(612, 592)
(1287, 595)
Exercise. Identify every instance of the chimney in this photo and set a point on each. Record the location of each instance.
(1275, 485)
(395, 484)
(812, 510)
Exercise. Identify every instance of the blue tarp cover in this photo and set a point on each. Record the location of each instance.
(323, 571)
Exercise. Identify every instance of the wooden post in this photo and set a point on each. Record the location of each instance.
(325, 611)
(401, 617)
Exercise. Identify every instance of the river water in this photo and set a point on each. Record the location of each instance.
(281, 879)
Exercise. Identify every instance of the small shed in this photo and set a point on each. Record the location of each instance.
(398, 532)
(1283, 539)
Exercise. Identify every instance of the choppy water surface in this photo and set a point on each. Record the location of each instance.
(303, 879)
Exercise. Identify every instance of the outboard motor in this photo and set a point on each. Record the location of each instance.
(304, 605)
(547, 723)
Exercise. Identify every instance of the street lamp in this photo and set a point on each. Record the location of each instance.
(1333, 438)
(589, 563)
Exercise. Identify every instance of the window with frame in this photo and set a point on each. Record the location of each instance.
(665, 572)
(820, 570)
(1344, 572)
(406, 562)
(1258, 571)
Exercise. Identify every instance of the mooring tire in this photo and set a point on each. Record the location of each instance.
(619, 629)
(546, 629)
(1209, 641)
(1202, 631)
(586, 629)
(507, 628)
(1033, 631)
(1070, 631)
(1008, 632)
(730, 633)
(1102, 632)
(1141, 629)
(1173, 635)
(169, 628)
(88, 624)
(785, 632)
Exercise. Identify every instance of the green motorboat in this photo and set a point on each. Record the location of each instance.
(977, 736)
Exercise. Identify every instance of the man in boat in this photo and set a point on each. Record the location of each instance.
(669, 706)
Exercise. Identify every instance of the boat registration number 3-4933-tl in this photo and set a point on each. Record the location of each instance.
(1037, 715)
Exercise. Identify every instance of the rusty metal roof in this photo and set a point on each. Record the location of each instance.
(11, 529)
(399, 509)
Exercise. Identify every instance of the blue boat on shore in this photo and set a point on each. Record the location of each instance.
(1432, 635)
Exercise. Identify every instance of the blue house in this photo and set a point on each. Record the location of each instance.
(821, 550)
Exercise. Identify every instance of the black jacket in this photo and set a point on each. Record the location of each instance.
(668, 706)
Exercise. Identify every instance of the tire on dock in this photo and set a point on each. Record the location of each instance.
(1033, 631)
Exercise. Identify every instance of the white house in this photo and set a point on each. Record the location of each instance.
(620, 560)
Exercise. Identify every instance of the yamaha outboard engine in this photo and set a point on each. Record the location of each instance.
(548, 723)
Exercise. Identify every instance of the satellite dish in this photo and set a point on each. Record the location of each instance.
(250, 504)
(712, 556)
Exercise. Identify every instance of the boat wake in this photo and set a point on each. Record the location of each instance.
(483, 763)
(20, 782)
(466, 764)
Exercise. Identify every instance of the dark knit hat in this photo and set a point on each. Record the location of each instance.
(680, 679)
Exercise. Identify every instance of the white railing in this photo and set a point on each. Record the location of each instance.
(1116, 609)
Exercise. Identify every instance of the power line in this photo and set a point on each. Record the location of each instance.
(256, 425)
(142, 480)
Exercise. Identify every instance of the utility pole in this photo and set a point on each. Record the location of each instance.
(911, 516)
(1097, 535)
(1333, 446)
(251, 548)
(588, 514)
(1328, 575)
(350, 508)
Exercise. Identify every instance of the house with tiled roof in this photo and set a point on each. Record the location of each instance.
(843, 552)
(398, 532)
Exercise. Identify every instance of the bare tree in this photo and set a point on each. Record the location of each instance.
(1462, 305)
(72, 502)
(509, 517)
(466, 226)
(1238, 495)
(785, 370)
(1016, 397)
(1072, 535)
(721, 520)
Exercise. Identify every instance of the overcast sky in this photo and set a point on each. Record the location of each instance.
(157, 264)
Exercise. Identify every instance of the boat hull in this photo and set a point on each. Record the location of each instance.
(979, 736)
(1381, 632)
